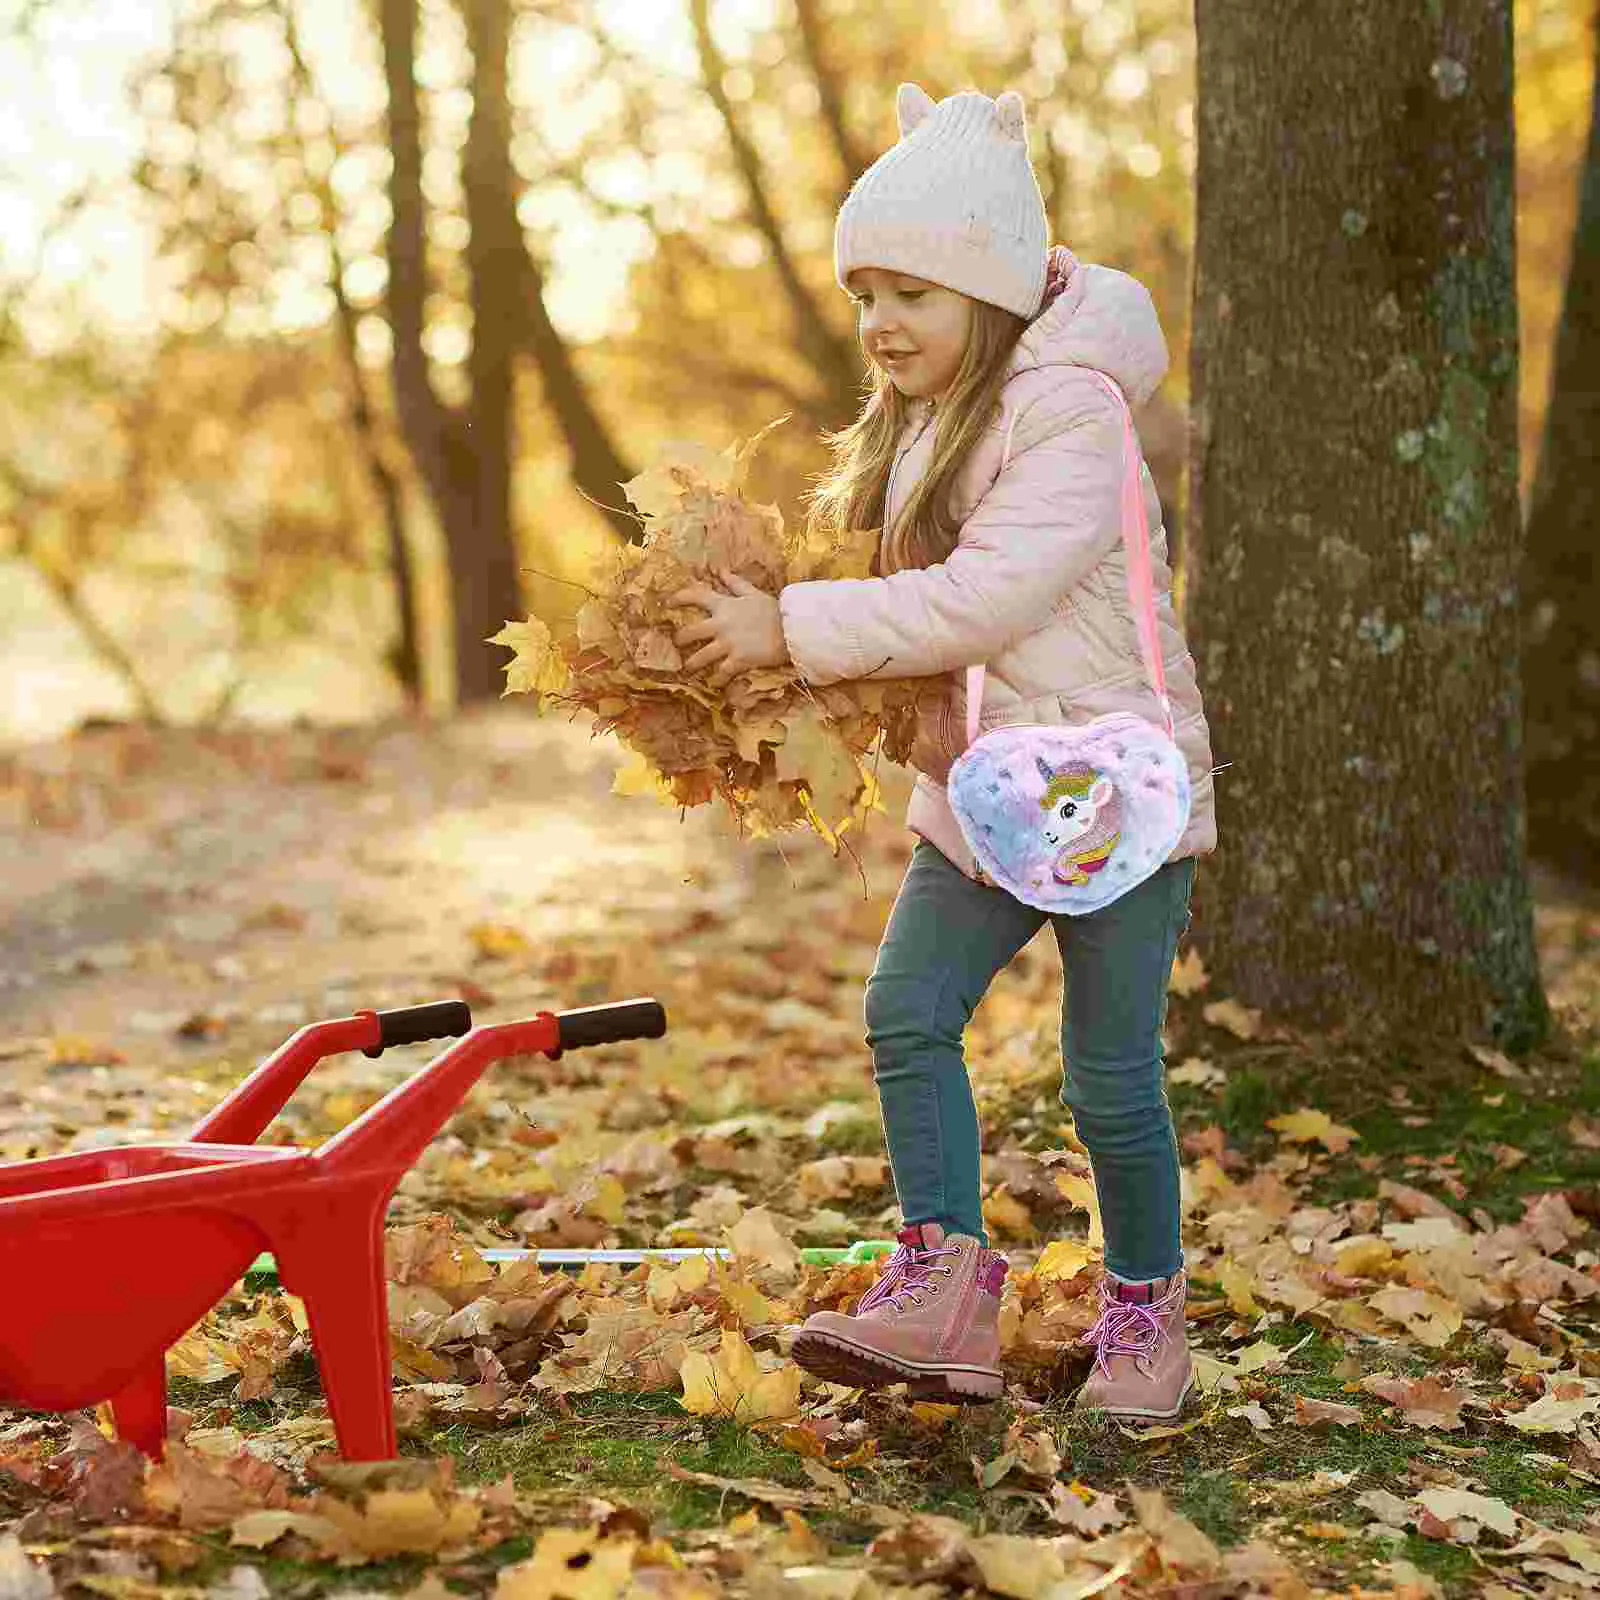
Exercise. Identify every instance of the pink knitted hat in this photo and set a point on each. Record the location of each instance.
(955, 201)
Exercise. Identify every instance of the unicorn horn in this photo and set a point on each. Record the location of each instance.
(1044, 768)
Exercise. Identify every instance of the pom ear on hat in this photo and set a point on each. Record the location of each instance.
(911, 104)
(1013, 119)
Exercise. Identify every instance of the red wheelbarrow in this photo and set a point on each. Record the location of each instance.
(109, 1257)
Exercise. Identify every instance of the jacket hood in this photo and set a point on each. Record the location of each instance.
(1095, 316)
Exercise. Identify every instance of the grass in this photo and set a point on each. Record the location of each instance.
(1466, 1126)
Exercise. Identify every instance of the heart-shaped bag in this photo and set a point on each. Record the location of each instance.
(1068, 818)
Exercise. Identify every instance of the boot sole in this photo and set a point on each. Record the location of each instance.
(840, 1360)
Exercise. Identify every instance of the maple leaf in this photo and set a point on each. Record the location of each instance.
(435, 1254)
(756, 1237)
(536, 666)
(1180, 1543)
(1188, 975)
(1310, 1413)
(391, 1522)
(1241, 1021)
(1036, 1450)
(1453, 1505)
(1305, 1125)
(1084, 1510)
(837, 1177)
(1429, 1317)
(1198, 1071)
(1561, 1410)
(1078, 1190)
(1006, 1214)
(732, 1384)
(1064, 1259)
(570, 1564)
(209, 1488)
(1012, 1565)
(1423, 1402)
(1258, 1417)
(812, 756)
(622, 1347)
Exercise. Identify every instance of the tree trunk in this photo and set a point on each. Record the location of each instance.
(1561, 648)
(463, 460)
(483, 558)
(834, 359)
(423, 417)
(597, 468)
(1353, 530)
(830, 89)
(405, 655)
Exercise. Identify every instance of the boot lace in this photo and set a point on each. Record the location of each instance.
(909, 1269)
(1127, 1329)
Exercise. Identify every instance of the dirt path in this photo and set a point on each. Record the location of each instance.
(176, 896)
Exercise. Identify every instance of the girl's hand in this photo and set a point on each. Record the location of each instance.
(742, 630)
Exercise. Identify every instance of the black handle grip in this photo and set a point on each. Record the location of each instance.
(439, 1019)
(609, 1024)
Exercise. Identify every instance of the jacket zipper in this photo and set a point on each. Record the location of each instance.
(894, 468)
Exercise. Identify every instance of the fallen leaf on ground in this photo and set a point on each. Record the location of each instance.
(1180, 1542)
(1188, 975)
(1024, 1569)
(1559, 1411)
(1085, 1511)
(772, 1494)
(1255, 1415)
(732, 1384)
(1306, 1124)
(1429, 1317)
(569, 1564)
(1241, 1021)
(1452, 1505)
(1424, 1402)
(1310, 1413)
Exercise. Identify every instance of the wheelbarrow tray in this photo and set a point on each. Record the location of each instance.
(154, 1236)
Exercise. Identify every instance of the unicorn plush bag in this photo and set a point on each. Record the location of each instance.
(1069, 818)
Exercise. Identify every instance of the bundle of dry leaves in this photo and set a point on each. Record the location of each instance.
(778, 752)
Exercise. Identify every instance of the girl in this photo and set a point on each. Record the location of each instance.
(991, 456)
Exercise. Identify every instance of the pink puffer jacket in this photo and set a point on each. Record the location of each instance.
(1036, 588)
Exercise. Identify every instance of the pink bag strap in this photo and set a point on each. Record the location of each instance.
(1141, 579)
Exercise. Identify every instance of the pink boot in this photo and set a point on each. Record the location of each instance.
(1142, 1366)
(932, 1320)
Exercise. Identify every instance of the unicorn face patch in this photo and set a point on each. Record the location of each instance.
(1069, 818)
(1082, 818)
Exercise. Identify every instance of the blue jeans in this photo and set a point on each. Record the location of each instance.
(947, 938)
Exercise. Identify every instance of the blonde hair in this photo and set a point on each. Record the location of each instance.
(850, 494)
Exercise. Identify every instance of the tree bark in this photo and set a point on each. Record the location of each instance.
(464, 459)
(1353, 534)
(830, 89)
(405, 656)
(597, 468)
(1561, 647)
(484, 577)
(423, 417)
(834, 359)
